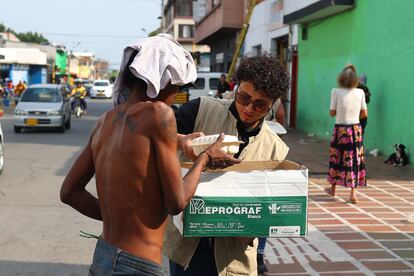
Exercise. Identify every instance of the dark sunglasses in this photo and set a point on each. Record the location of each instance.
(259, 105)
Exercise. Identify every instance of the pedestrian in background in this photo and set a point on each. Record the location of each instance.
(362, 84)
(277, 113)
(222, 87)
(346, 155)
(232, 83)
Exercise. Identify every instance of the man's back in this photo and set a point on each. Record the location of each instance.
(128, 186)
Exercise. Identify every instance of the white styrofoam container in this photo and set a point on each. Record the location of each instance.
(230, 143)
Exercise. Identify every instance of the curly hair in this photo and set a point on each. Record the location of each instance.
(266, 74)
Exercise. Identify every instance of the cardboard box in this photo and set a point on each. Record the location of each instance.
(251, 199)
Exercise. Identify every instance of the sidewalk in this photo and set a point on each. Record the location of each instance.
(372, 237)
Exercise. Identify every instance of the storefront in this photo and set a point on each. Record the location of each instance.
(23, 64)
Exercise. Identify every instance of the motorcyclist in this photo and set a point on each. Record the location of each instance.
(79, 92)
(19, 88)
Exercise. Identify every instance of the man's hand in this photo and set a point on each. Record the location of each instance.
(184, 144)
(218, 159)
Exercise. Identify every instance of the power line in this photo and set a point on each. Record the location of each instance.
(95, 35)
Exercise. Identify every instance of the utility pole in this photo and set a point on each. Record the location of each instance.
(241, 39)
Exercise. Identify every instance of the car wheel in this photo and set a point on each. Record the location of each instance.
(1, 158)
(17, 129)
(68, 123)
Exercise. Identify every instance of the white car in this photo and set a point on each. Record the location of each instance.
(206, 84)
(1, 150)
(101, 89)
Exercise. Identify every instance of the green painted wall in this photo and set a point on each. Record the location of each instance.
(61, 61)
(378, 38)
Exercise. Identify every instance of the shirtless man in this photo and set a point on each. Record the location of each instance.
(132, 153)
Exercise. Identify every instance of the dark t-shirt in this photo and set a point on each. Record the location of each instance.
(223, 87)
(366, 91)
(187, 113)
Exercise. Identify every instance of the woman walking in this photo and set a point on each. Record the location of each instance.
(346, 155)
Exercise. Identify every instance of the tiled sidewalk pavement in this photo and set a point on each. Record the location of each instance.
(372, 237)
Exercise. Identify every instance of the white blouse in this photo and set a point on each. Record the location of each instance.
(348, 104)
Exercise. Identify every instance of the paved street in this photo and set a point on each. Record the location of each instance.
(40, 236)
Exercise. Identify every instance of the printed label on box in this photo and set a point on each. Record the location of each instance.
(284, 231)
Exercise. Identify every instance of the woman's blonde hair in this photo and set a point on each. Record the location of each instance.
(348, 77)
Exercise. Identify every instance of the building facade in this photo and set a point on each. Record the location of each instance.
(29, 62)
(378, 39)
(178, 21)
(220, 28)
(267, 33)
(23, 64)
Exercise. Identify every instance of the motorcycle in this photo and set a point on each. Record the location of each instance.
(77, 107)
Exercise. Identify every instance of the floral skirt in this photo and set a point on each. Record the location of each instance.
(346, 157)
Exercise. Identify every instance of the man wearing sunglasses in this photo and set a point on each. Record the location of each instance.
(261, 81)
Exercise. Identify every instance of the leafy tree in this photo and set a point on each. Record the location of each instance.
(4, 29)
(155, 32)
(33, 37)
(114, 74)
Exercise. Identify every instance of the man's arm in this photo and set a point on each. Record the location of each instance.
(73, 190)
(177, 191)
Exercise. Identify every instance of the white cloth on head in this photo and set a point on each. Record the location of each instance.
(161, 60)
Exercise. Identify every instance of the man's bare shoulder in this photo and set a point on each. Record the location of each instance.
(163, 121)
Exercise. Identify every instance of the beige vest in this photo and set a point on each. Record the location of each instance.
(232, 257)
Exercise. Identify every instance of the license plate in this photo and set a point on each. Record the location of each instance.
(31, 122)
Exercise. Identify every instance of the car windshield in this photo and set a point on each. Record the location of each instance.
(41, 94)
(100, 83)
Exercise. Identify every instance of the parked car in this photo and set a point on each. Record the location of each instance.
(43, 105)
(206, 84)
(1, 150)
(101, 89)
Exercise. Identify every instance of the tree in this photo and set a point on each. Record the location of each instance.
(155, 32)
(4, 29)
(33, 37)
(114, 74)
